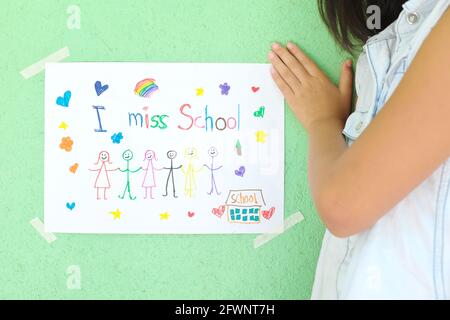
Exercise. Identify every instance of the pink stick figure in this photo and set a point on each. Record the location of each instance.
(149, 181)
(102, 180)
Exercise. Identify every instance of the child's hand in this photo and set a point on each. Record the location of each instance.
(308, 91)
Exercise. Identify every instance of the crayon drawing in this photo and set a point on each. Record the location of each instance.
(213, 153)
(149, 181)
(171, 155)
(163, 148)
(127, 155)
(102, 180)
(190, 172)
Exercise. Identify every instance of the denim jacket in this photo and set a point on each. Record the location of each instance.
(406, 254)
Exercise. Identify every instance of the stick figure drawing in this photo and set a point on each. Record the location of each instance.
(102, 180)
(213, 153)
(149, 181)
(127, 155)
(190, 184)
(171, 154)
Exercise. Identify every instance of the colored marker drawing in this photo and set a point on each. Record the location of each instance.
(149, 181)
(99, 88)
(102, 181)
(146, 88)
(240, 172)
(70, 205)
(64, 100)
(244, 206)
(219, 211)
(190, 181)
(224, 89)
(171, 155)
(66, 144)
(238, 148)
(116, 138)
(127, 155)
(212, 152)
(73, 168)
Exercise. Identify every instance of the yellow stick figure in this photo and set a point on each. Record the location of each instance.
(189, 171)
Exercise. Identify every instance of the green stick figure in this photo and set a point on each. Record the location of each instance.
(127, 155)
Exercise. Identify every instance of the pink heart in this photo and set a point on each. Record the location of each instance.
(255, 89)
(191, 214)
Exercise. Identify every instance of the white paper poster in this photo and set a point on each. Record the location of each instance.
(163, 148)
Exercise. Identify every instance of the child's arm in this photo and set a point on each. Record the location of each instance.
(409, 138)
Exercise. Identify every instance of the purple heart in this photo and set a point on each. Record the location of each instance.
(99, 88)
(240, 172)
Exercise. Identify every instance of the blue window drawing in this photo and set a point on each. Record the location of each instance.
(245, 205)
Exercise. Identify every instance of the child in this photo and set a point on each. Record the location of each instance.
(379, 178)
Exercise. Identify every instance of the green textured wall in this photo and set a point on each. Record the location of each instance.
(148, 266)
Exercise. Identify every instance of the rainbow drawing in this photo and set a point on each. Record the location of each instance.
(145, 88)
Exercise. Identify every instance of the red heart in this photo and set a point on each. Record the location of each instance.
(218, 211)
(255, 89)
(191, 214)
(268, 213)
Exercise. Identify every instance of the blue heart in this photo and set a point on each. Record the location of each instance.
(64, 101)
(70, 206)
(99, 88)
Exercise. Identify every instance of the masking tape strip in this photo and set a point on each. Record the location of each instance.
(291, 221)
(39, 66)
(39, 226)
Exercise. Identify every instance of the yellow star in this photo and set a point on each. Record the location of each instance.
(261, 136)
(164, 216)
(63, 125)
(116, 214)
(200, 92)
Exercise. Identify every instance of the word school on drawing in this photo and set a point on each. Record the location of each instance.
(205, 120)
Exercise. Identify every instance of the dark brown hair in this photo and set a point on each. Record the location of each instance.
(347, 19)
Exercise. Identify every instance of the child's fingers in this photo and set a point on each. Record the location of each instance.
(285, 73)
(346, 82)
(292, 62)
(282, 85)
(307, 63)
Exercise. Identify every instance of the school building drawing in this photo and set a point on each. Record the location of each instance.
(244, 206)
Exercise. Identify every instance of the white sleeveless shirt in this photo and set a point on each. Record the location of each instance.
(406, 254)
